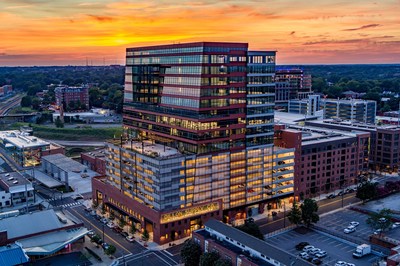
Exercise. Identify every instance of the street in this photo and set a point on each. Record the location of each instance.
(270, 224)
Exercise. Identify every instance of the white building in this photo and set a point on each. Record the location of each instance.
(15, 189)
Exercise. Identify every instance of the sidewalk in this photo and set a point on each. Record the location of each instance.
(106, 260)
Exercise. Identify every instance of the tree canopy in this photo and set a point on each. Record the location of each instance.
(251, 228)
(366, 190)
(191, 253)
(294, 214)
(309, 210)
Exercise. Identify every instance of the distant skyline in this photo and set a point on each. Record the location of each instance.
(97, 32)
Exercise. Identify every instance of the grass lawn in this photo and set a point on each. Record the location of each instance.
(88, 134)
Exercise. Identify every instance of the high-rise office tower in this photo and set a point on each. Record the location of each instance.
(291, 84)
(198, 141)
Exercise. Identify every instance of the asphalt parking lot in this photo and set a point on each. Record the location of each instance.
(338, 221)
(337, 250)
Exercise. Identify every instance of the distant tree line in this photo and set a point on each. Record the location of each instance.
(106, 84)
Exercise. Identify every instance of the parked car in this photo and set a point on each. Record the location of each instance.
(350, 264)
(396, 224)
(314, 251)
(88, 209)
(382, 220)
(274, 213)
(117, 229)
(111, 225)
(104, 220)
(308, 248)
(305, 256)
(105, 245)
(124, 234)
(130, 238)
(331, 196)
(349, 229)
(316, 261)
(377, 231)
(341, 263)
(350, 190)
(354, 223)
(321, 254)
(301, 245)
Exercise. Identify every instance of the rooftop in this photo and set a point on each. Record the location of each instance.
(65, 163)
(354, 125)
(291, 118)
(254, 243)
(32, 223)
(151, 149)
(12, 254)
(96, 153)
(21, 139)
(356, 101)
(13, 179)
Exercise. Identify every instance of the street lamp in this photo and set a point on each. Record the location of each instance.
(284, 215)
(103, 233)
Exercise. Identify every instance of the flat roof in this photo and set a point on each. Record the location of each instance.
(356, 101)
(64, 163)
(13, 179)
(292, 118)
(96, 153)
(354, 125)
(46, 180)
(151, 149)
(31, 223)
(21, 139)
(254, 243)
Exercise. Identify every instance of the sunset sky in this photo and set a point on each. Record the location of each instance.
(73, 32)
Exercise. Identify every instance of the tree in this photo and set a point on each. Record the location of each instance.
(190, 253)
(26, 101)
(36, 103)
(145, 235)
(309, 210)
(366, 190)
(252, 229)
(133, 228)
(71, 105)
(223, 262)
(59, 123)
(294, 214)
(96, 238)
(208, 258)
(122, 222)
(110, 250)
(381, 220)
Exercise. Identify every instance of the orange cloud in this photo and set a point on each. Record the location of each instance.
(302, 32)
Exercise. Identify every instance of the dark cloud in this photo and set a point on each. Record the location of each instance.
(102, 18)
(363, 27)
(335, 41)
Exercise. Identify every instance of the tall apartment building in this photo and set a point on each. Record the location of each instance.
(384, 151)
(65, 95)
(199, 140)
(307, 106)
(325, 160)
(352, 110)
(291, 84)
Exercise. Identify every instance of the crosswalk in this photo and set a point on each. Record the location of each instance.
(69, 204)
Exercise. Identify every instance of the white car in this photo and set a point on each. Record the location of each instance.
(130, 238)
(314, 251)
(382, 220)
(350, 264)
(395, 225)
(349, 229)
(341, 263)
(378, 231)
(111, 225)
(308, 248)
(321, 254)
(354, 223)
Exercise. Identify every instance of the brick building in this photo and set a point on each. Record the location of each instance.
(65, 95)
(325, 160)
(241, 249)
(384, 151)
(95, 160)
